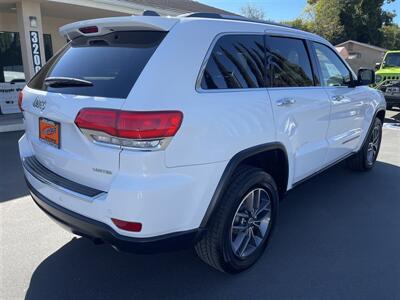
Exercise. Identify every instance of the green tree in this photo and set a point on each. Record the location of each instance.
(361, 20)
(301, 24)
(327, 21)
(391, 37)
(253, 12)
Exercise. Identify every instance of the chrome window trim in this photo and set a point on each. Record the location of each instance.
(198, 87)
(295, 87)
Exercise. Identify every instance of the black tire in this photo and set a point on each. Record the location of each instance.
(361, 161)
(215, 248)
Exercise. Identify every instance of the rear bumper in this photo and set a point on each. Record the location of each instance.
(101, 232)
(164, 200)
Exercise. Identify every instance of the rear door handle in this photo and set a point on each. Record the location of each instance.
(285, 102)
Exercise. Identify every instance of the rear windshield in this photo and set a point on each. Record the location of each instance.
(112, 63)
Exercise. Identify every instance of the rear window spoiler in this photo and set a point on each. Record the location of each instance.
(107, 25)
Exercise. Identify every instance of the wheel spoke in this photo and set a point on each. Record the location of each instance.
(237, 242)
(242, 214)
(264, 209)
(256, 200)
(245, 242)
(376, 139)
(262, 226)
(257, 240)
(239, 228)
(249, 200)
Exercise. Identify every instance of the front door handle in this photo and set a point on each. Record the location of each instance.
(285, 102)
(338, 98)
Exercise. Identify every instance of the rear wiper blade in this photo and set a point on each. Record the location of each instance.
(66, 82)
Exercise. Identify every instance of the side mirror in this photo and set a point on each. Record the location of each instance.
(365, 76)
(377, 66)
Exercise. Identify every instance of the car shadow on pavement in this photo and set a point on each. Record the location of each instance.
(12, 182)
(338, 237)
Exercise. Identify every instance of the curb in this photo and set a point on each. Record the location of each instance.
(12, 127)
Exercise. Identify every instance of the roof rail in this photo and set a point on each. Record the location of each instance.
(228, 17)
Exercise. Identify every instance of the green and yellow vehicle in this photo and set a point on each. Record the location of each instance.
(388, 78)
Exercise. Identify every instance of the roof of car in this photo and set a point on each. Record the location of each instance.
(180, 6)
(166, 23)
(267, 26)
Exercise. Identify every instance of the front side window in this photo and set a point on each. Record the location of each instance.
(288, 63)
(334, 71)
(236, 62)
(392, 60)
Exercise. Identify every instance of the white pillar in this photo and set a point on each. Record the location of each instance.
(31, 36)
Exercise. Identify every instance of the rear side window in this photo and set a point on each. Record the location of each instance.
(288, 63)
(112, 63)
(236, 62)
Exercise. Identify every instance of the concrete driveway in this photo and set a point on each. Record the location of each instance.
(338, 238)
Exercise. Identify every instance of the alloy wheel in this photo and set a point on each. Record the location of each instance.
(251, 222)
(373, 146)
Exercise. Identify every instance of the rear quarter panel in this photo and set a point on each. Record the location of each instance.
(216, 125)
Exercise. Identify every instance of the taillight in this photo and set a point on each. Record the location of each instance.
(89, 29)
(20, 98)
(143, 130)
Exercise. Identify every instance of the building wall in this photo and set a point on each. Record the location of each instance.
(8, 22)
(51, 26)
(369, 57)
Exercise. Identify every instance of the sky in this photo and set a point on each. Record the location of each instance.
(279, 10)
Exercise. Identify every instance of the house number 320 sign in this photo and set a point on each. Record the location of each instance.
(37, 60)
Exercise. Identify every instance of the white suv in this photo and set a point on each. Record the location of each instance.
(152, 133)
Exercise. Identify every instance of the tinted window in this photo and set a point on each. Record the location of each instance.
(334, 71)
(11, 69)
(288, 63)
(112, 62)
(237, 61)
(48, 46)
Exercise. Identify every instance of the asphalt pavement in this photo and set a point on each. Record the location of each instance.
(338, 237)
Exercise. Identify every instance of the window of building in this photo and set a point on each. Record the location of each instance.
(354, 55)
(236, 62)
(288, 63)
(48, 46)
(11, 67)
